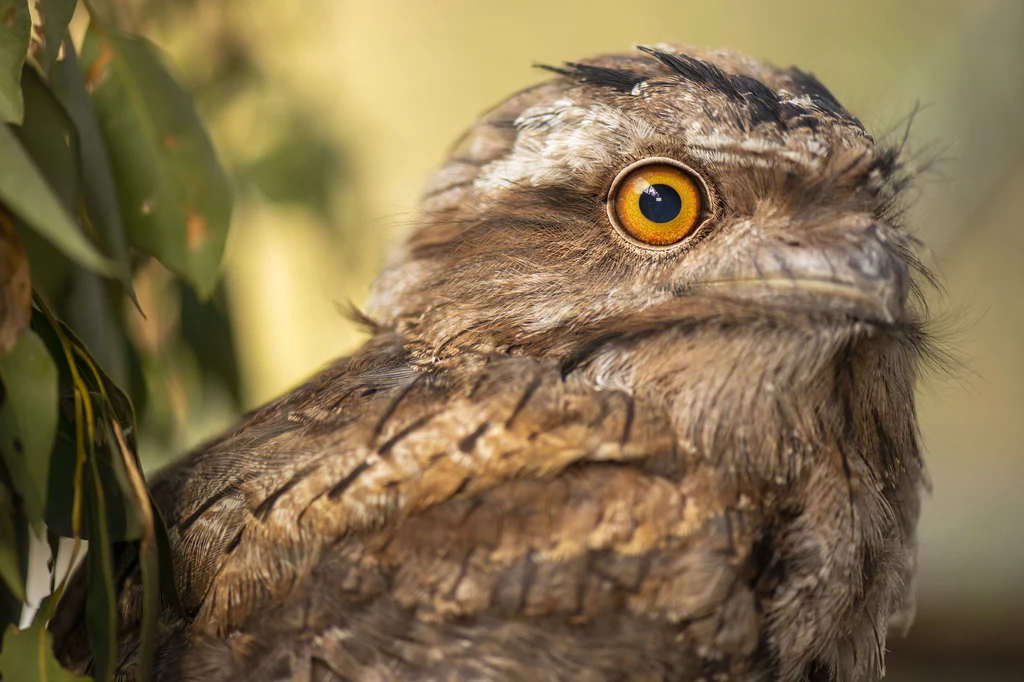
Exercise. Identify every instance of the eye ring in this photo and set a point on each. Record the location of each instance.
(657, 202)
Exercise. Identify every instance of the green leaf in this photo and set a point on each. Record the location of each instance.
(101, 200)
(10, 607)
(15, 31)
(55, 14)
(27, 195)
(90, 308)
(14, 539)
(133, 488)
(28, 419)
(175, 198)
(105, 398)
(62, 491)
(49, 137)
(12, 554)
(28, 655)
(50, 267)
(101, 598)
(168, 587)
(117, 504)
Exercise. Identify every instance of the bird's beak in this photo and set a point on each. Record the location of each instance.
(853, 273)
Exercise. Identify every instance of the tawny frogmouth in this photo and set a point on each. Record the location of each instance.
(638, 404)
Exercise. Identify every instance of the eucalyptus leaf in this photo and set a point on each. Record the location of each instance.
(106, 401)
(28, 419)
(175, 198)
(15, 32)
(68, 85)
(101, 597)
(61, 498)
(168, 587)
(42, 319)
(12, 575)
(10, 608)
(134, 489)
(48, 135)
(28, 655)
(91, 309)
(122, 522)
(14, 542)
(26, 193)
(56, 15)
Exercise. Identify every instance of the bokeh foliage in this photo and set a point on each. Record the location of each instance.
(106, 172)
(328, 114)
(388, 85)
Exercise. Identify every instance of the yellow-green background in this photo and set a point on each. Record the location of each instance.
(329, 113)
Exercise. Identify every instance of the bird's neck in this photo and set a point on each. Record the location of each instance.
(763, 401)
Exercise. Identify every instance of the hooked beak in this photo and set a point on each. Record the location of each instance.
(853, 274)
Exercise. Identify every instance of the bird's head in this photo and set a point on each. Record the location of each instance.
(653, 188)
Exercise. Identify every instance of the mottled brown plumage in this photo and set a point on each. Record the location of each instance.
(564, 456)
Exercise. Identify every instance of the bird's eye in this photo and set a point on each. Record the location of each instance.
(656, 202)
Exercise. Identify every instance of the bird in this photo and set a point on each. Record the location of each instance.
(637, 403)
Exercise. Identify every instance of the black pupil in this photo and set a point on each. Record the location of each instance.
(660, 203)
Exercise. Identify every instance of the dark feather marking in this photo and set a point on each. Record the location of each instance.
(264, 508)
(585, 351)
(529, 576)
(601, 76)
(205, 506)
(643, 571)
(341, 486)
(503, 123)
(378, 428)
(531, 388)
(762, 102)
(819, 94)
(730, 531)
(627, 426)
(466, 480)
(843, 397)
(581, 584)
(796, 116)
(695, 70)
(338, 401)
(390, 443)
(469, 442)
(480, 379)
(235, 541)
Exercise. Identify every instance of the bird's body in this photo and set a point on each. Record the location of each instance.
(579, 445)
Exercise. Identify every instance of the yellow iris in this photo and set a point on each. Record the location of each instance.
(656, 203)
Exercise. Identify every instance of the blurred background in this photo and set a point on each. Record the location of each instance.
(329, 113)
